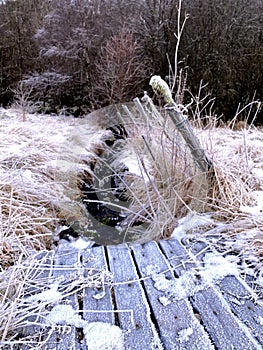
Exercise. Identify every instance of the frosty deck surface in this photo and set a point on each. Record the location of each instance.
(161, 296)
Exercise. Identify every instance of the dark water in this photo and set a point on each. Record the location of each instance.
(106, 235)
(104, 191)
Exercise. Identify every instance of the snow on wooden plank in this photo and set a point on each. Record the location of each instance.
(63, 334)
(180, 258)
(66, 261)
(133, 310)
(40, 270)
(225, 329)
(206, 306)
(97, 299)
(243, 303)
(177, 324)
(61, 338)
(207, 270)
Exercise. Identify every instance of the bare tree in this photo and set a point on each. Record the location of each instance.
(121, 69)
(155, 26)
(46, 87)
(24, 100)
(223, 46)
(18, 52)
(70, 40)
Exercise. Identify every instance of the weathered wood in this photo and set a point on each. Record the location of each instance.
(97, 301)
(239, 296)
(134, 315)
(41, 271)
(179, 258)
(244, 305)
(38, 275)
(177, 324)
(182, 124)
(61, 337)
(146, 298)
(224, 328)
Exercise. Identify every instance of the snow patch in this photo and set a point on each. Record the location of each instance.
(260, 320)
(100, 295)
(190, 282)
(243, 239)
(185, 334)
(98, 335)
(136, 168)
(259, 280)
(190, 221)
(181, 288)
(65, 315)
(81, 244)
(256, 209)
(258, 172)
(103, 336)
(50, 295)
(217, 267)
(16, 149)
(164, 301)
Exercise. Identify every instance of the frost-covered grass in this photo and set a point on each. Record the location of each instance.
(28, 152)
(39, 178)
(171, 186)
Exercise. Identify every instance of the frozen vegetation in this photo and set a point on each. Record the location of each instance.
(39, 174)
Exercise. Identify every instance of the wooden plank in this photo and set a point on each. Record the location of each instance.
(65, 266)
(37, 279)
(150, 316)
(97, 298)
(181, 258)
(40, 272)
(66, 261)
(178, 326)
(134, 316)
(243, 304)
(239, 296)
(53, 268)
(225, 329)
(61, 338)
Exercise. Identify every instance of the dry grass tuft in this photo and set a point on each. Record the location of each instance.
(28, 153)
(42, 162)
(171, 185)
(236, 155)
(163, 193)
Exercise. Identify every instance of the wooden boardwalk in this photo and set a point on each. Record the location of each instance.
(160, 295)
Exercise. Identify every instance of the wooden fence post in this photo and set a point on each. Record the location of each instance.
(182, 124)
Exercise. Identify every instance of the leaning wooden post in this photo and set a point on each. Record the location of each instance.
(182, 124)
